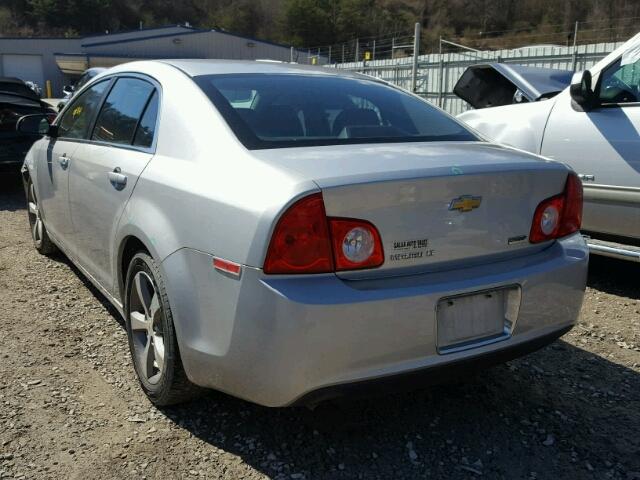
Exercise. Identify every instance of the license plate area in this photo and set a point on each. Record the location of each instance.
(476, 319)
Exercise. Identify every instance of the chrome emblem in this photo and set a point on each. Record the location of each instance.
(465, 203)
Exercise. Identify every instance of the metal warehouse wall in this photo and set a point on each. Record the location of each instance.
(163, 42)
(45, 48)
(438, 74)
(135, 34)
(207, 44)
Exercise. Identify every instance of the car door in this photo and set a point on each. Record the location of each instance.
(603, 146)
(106, 169)
(55, 161)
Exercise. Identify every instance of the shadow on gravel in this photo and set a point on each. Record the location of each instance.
(11, 193)
(561, 413)
(613, 276)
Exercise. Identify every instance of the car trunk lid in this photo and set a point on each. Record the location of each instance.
(435, 205)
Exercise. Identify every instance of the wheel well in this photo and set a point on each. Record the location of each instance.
(131, 246)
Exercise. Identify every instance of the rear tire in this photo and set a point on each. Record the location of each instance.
(152, 338)
(39, 234)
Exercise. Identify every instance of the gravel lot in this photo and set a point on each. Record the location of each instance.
(70, 406)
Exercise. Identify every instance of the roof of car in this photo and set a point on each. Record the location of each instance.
(196, 67)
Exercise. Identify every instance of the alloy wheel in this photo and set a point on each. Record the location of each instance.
(35, 222)
(145, 317)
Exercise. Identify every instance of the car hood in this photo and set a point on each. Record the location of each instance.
(494, 84)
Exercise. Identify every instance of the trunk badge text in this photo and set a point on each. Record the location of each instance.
(465, 203)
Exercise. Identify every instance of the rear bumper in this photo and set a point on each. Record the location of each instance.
(278, 340)
(432, 375)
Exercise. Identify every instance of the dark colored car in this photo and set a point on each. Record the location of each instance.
(70, 90)
(17, 100)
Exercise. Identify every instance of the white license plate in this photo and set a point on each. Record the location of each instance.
(468, 321)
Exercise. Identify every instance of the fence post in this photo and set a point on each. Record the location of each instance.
(329, 55)
(575, 48)
(357, 50)
(308, 55)
(416, 52)
(374, 50)
(393, 48)
(440, 74)
(291, 55)
(343, 53)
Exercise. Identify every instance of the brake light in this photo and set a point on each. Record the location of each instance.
(306, 241)
(356, 244)
(300, 241)
(560, 215)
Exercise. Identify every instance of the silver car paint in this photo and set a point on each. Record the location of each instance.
(271, 339)
(602, 145)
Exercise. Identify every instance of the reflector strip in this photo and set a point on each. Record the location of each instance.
(227, 267)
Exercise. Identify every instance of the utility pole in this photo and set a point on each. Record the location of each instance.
(575, 48)
(441, 74)
(416, 52)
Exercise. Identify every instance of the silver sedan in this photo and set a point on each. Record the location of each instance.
(288, 234)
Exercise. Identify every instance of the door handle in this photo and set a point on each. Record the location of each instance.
(586, 178)
(64, 161)
(117, 179)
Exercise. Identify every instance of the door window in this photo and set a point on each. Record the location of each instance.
(621, 82)
(122, 110)
(76, 120)
(147, 127)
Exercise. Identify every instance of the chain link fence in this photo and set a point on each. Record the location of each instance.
(437, 74)
(434, 75)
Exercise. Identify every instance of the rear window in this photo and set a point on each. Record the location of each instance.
(18, 89)
(291, 110)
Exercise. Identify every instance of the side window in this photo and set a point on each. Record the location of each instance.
(621, 81)
(75, 122)
(147, 127)
(121, 111)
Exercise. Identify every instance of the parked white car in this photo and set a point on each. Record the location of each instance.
(594, 126)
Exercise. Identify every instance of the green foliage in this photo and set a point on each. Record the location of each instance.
(324, 22)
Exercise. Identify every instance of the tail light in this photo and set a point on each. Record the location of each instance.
(559, 216)
(300, 242)
(356, 244)
(305, 240)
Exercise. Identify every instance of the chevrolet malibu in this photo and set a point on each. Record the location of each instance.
(289, 234)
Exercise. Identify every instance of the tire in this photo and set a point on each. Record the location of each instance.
(39, 234)
(152, 338)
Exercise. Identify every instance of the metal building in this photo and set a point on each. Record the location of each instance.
(61, 60)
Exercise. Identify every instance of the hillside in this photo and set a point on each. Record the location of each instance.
(480, 23)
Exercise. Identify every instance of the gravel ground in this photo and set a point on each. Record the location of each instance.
(70, 406)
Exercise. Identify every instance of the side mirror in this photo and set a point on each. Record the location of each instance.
(36, 124)
(581, 90)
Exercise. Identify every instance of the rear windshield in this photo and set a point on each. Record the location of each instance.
(18, 88)
(293, 110)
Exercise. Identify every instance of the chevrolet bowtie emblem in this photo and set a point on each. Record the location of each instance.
(465, 203)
